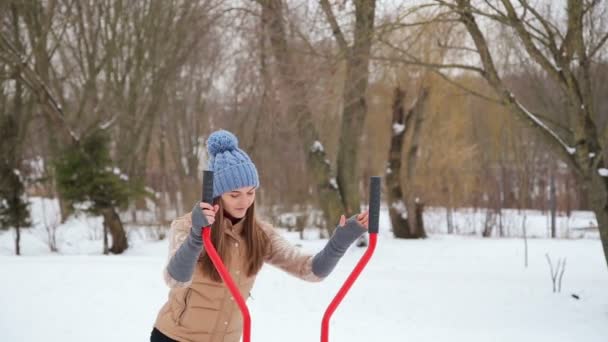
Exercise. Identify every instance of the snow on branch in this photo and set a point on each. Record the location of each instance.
(398, 128)
(118, 172)
(569, 149)
(317, 147)
(333, 183)
(108, 123)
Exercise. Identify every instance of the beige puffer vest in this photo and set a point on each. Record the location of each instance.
(204, 311)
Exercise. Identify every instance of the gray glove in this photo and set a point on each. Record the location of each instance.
(181, 265)
(199, 220)
(327, 259)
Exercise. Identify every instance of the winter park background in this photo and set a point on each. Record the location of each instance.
(444, 288)
(487, 121)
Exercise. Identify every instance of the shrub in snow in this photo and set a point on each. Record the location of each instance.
(89, 182)
(14, 211)
(86, 178)
(557, 273)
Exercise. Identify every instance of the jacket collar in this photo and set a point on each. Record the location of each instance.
(235, 229)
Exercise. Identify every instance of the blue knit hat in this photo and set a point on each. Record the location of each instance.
(232, 168)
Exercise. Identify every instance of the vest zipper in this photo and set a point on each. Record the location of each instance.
(186, 299)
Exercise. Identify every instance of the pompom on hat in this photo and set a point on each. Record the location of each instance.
(232, 168)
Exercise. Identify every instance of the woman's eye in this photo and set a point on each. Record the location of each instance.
(234, 196)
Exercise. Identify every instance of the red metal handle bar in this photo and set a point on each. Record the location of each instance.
(374, 220)
(221, 269)
(347, 285)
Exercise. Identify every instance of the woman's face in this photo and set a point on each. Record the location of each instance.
(236, 202)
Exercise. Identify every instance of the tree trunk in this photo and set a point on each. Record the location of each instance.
(116, 229)
(12, 155)
(396, 207)
(38, 19)
(317, 164)
(164, 187)
(106, 249)
(64, 207)
(403, 211)
(419, 208)
(598, 197)
(553, 203)
(449, 219)
(415, 221)
(355, 107)
(412, 202)
(489, 223)
(17, 240)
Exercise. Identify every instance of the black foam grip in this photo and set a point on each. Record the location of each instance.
(208, 186)
(374, 204)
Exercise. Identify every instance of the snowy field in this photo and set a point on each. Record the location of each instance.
(445, 288)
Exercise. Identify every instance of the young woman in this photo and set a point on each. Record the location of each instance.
(200, 308)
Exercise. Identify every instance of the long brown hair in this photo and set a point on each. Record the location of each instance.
(256, 242)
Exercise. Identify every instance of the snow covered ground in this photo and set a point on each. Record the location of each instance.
(445, 288)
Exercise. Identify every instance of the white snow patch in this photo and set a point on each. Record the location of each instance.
(333, 183)
(18, 174)
(36, 165)
(398, 128)
(399, 206)
(317, 146)
(461, 280)
(603, 172)
(119, 173)
(86, 205)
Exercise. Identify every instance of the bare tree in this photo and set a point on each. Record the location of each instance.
(557, 272)
(15, 117)
(357, 56)
(294, 89)
(404, 209)
(566, 49)
(106, 66)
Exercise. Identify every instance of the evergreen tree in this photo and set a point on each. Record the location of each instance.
(87, 178)
(14, 208)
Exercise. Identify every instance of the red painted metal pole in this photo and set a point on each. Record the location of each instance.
(217, 261)
(373, 238)
(219, 265)
(374, 220)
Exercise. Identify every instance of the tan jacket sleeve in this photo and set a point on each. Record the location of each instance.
(178, 233)
(288, 257)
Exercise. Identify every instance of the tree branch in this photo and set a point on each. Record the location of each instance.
(491, 74)
(413, 60)
(465, 89)
(598, 46)
(529, 45)
(33, 81)
(335, 27)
